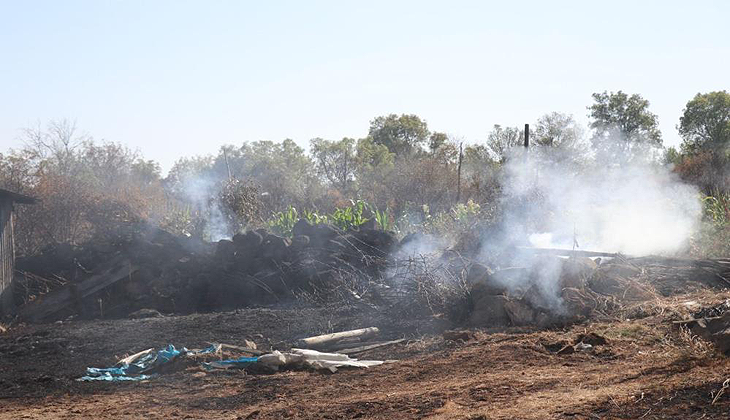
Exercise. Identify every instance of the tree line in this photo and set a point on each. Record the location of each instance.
(89, 187)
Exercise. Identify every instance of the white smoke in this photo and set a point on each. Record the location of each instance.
(553, 198)
(634, 206)
(201, 192)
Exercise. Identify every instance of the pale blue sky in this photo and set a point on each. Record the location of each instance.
(176, 78)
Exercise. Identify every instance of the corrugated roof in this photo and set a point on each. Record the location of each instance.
(17, 198)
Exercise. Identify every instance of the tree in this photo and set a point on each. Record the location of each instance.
(622, 124)
(501, 139)
(560, 138)
(705, 130)
(557, 130)
(480, 180)
(705, 123)
(335, 160)
(437, 140)
(402, 135)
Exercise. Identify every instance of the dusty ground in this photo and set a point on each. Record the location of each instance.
(647, 370)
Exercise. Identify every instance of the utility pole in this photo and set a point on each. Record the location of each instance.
(225, 155)
(458, 179)
(527, 136)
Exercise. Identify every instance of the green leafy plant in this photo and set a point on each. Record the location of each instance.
(283, 222)
(314, 218)
(383, 219)
(350, 217)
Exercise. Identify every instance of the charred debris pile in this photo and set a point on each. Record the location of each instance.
(144, 271)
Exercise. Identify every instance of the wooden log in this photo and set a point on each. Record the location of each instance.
(323, 341)
(46, 305)
(361, 349)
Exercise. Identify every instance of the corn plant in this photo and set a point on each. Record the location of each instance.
(717, 209)
(350, 217)
(314, 218)
(382, 219)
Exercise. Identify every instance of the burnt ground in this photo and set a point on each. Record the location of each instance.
(648, 369)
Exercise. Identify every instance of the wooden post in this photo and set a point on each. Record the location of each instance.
(527, 136)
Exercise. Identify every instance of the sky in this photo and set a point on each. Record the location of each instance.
(181, 78)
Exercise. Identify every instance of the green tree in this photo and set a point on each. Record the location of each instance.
(705, 123)
(402, 135)
(335, 160)
(557, 130)
(437, 140)
(622, 124)
(561, 139)
(501, 139)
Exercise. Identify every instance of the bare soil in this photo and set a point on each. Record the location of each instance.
(648, 369)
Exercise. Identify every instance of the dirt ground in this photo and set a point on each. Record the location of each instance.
(648, 369)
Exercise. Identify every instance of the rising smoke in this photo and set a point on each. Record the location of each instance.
(554, 198)
(634, 206)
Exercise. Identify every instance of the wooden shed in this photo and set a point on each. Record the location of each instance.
(7, 247)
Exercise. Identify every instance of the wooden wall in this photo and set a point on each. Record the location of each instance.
(7, 256)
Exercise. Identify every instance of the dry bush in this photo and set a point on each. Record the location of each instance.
(425, 285)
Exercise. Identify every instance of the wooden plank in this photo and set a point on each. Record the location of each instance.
(46, 305)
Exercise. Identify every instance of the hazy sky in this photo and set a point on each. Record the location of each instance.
(176, 78)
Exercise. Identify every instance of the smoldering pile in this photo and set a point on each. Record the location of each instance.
(150, 269)
(546, 290)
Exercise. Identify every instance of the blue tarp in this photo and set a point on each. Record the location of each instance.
(146, 362)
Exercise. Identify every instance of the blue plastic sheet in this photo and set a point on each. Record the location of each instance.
(138, 369)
